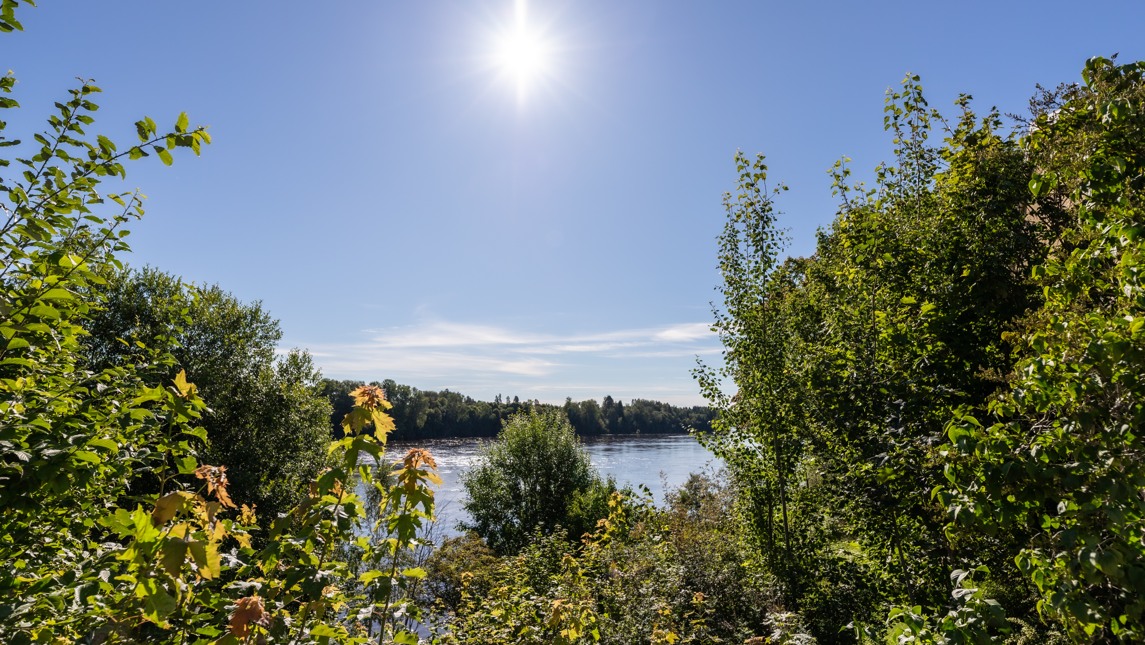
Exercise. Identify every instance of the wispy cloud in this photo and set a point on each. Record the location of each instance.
(484, 359)
(685, 332)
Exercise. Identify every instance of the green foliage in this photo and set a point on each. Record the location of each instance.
(71, 438)
(848, 362)
(678, 574)
(1056, 456)
(589, 505)
(672, 575)
(763, 456)
(528, 480)
(950, 383)
(90, 556)
(463, 562)
(8, 20)
(267, 421)
(538, 596)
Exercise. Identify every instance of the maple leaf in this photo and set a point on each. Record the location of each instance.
(248, 611)
(185, 389)
(371, 397)
(216, 478)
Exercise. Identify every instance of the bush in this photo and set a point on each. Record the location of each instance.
(529, 479)
(461, 562)
(646, 575)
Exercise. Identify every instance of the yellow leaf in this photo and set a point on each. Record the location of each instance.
(186, 390)
(181, 531)
(243, 539)
(168, 505)
(206, 557)
(383, 424)
(371, 397)
(219, 532)
(247, 516)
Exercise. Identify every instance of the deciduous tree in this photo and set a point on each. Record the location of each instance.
(527, 481)
(268, 421)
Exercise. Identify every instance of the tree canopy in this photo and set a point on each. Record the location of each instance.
(267, 420)
(987, 276)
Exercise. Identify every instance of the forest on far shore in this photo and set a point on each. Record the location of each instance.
(425, 414)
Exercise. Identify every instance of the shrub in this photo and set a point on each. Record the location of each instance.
(530, 476)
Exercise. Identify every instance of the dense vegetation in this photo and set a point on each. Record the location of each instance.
(268, 423)
(425, 414)
(646, 575)
(948, 389)
(935, 434)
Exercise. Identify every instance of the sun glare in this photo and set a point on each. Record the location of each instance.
(522, 54)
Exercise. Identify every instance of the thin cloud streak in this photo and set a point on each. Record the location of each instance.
(485, 359)
(446, 334)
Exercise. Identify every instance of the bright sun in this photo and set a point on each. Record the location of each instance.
(522, 54)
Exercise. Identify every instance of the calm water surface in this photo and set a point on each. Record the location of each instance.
(660, 462)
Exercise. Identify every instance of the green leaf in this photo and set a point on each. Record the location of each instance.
(84, 455)
(168, 506)
(58, 294)
(105, 444)
(198, 432)
(186, 464)
(414, 572)
(174, 553)
(23, 362)
(157, 604)
(149, 394)
(326, 631)
(206, 557)
(164, 155)
(369, 576)
(182, 122)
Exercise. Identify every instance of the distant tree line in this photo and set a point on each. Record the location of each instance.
(422, 414)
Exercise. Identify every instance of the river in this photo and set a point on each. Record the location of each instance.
(660, 462)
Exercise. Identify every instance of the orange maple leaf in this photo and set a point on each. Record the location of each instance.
(248, 611)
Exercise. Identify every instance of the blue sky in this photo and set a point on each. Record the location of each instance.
(410, 211)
